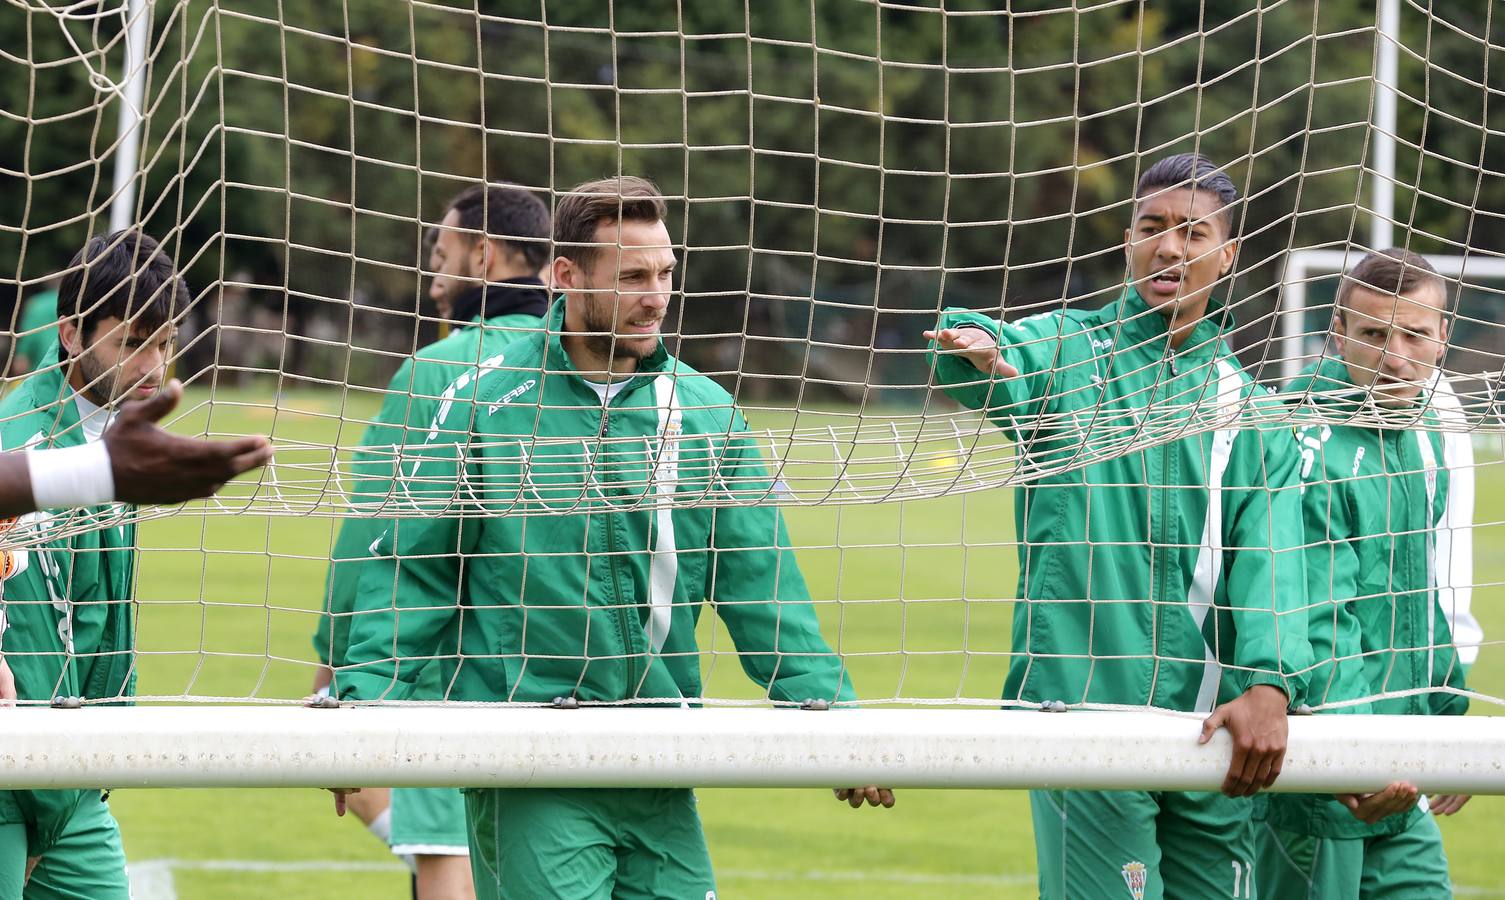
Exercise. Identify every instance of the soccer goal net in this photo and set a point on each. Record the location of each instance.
(1117, 532)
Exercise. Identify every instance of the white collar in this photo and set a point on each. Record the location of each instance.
(92, 418)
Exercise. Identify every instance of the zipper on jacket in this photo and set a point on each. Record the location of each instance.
(1158, 544)
(624, 620)
(1421, 672)
(624, 625)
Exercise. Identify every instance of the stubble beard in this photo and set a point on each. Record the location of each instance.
(604, 343)
(99, 382)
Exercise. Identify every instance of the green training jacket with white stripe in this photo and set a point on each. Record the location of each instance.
(413, 394)
(67, 611)
(1169, 576)
(1373, 498)
(572, 583)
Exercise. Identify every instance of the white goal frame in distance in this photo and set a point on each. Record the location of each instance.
(1302, 265)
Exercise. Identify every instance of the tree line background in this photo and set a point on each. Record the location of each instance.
(845, 169)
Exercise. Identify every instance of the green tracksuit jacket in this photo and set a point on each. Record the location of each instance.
(414, 393)
(66, 620)
(37, 329)
(1195, 594)
(569, 586)
(1373, 498)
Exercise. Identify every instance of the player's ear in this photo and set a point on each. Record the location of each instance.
(1229, 253)
(564, 274)
(1339, 331)
(70, 336)
(482, 255)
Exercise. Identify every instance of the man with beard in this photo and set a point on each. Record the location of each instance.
(66, 623)
(573, 585)
(1169, 577)
(487, 254)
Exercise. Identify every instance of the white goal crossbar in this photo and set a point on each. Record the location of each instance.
(602, 747)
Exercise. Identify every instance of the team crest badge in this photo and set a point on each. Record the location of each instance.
(12, 562)
(1135, 877)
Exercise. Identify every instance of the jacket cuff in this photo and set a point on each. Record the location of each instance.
(357, 685)
(832, 685)
(1295, 697)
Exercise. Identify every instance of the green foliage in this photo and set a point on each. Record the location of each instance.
(975, 157)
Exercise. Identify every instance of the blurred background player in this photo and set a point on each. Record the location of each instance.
(608, 598)
(1188, 551)
(1375, 498)
(487, 254)
(36, 330)
(66, 620)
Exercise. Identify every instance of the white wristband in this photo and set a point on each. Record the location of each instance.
(71, 476)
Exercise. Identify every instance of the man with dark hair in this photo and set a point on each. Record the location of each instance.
(1374, 497)
(66, 623)
(489, 235)
(586, 578)
(486, 256)
(1169, 577)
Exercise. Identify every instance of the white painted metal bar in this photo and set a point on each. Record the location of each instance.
(289, 747)
(128, 145)
(1386, 77)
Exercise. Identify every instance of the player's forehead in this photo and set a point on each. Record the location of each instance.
(634, 245)
(449, 230)
(115, 329)
(1424, 304)
(1177, 206)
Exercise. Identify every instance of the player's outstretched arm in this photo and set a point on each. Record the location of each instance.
(152, 466)
(976, 346)
(136, 462)
(15, 485)
(1004, 370)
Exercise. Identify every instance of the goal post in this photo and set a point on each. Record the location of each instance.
(837, 174)
(916, 748)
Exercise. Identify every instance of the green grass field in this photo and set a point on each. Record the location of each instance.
(236, 621)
